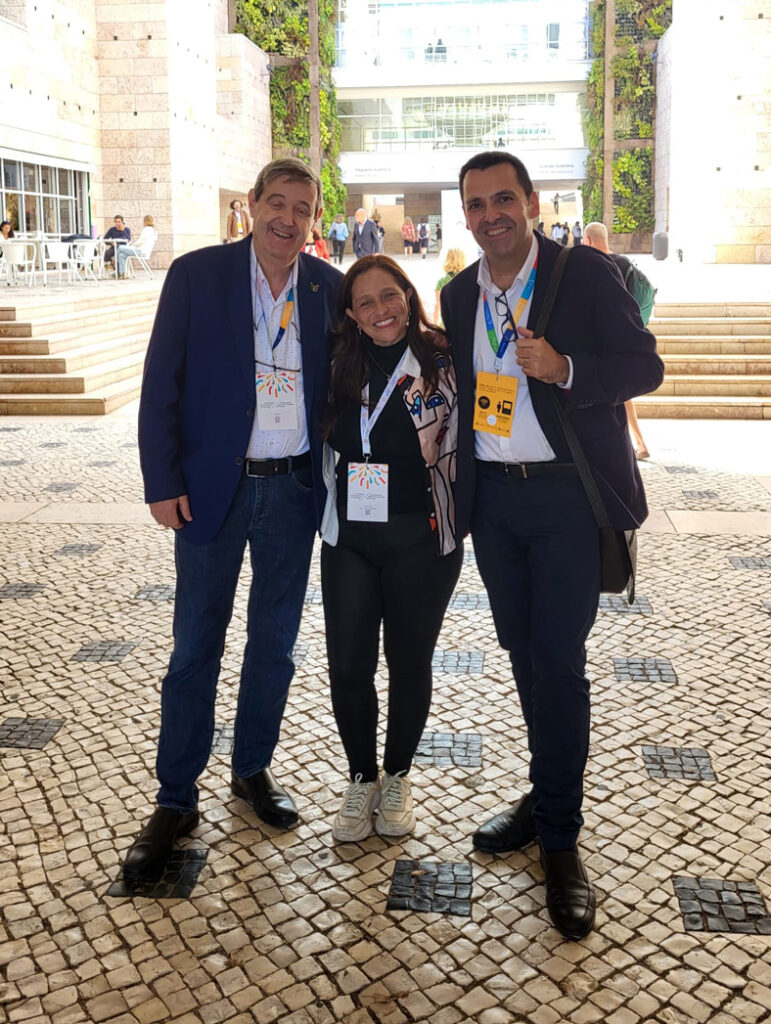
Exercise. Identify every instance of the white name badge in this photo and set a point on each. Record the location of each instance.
(277, 400)
(367, 492)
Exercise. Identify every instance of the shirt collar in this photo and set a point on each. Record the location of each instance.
(257, 273)
(485, 281)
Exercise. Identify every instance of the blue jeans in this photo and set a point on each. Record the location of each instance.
(537, 550)
(275, 516)
(124, 251)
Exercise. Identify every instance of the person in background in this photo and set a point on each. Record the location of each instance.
(424, 236)
(408, 236)
(365, 237)
(316, 246)
(118, 230)
(6, 231)
(380, 233)
(454, 262)
(239, 224)
(596, 236)
(577, 233)
(390, 555)
(338, 232)
(143, 246)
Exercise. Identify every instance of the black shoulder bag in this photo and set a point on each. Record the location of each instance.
(618, 548)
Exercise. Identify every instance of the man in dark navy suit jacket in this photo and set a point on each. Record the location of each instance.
(235, 380)
(366, 241)
(534, 534)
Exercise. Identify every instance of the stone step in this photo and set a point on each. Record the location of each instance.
(716, 386)
(722, 364)
(712, 309)
(79, 298)
(91, 378)
(64, 326)
(75, 339)
(702, 408)
(97, 403)
(715, 345)
(707, 326)
(74, 359)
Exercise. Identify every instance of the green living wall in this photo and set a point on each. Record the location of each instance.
(281, 27)
(637, 22)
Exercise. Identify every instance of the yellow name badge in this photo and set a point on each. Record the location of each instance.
(496, 398)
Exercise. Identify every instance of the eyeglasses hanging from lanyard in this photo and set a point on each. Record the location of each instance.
(510, 330)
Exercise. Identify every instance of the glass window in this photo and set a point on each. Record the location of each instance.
(65, 183)
(29, 177)
(48, 180)
(12, 204)
(11, 174)
(31, 213)
(67, 217)
(50, 218)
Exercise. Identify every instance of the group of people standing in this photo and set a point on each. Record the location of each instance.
(281, 398)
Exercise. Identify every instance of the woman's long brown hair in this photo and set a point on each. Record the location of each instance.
(350, 370)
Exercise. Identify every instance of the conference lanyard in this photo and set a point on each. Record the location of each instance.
(499, 347)
(286, 316)
(367, 419)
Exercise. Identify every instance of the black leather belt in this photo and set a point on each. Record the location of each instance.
(525, 470)
(276, 467)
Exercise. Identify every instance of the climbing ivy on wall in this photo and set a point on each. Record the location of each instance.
(636, 23)
(281, 27)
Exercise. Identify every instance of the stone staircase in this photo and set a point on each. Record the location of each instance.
(718, 361)
(70, 352)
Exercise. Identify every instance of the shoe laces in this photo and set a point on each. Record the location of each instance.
(392, 792)
(356, 797)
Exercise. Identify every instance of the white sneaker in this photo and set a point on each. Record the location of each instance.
(396, 815)
(354, 819)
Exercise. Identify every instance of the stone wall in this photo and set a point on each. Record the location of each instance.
(714, 192)
(168, 112)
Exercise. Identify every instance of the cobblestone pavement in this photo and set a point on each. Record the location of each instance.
(293, 927)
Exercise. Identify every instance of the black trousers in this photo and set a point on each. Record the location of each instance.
(387, 573)
(338, 248)
(537, 550)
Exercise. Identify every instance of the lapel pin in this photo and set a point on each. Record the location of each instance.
(314, 287)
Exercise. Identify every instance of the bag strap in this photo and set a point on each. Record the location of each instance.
(584, 472)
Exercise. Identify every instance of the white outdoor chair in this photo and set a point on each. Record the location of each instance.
(87, 258)
(57, 253)
(19, 258)
(143, 261)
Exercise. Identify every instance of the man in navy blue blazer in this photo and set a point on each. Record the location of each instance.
(235, 380)
(535, 537)
(365, 237)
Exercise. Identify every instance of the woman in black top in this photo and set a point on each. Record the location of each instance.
(390, 554)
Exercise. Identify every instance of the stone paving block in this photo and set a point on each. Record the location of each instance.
(652, 670)
(719, 905)
(78, 549)
(751, 562)
(16, 591)
(701, 495)
(156, 592)
(224, 735)
(61, 486)
(29, 733)
(105, 650)
(444, 748)
(175, 879)
(12, 462)
(431, 887)
(618, 603)
(677, 762)
(680, 470)
(459, 662)
(466, 602)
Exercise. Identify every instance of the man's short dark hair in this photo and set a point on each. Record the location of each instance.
(118, 217)
(481, 162)
(292, 169)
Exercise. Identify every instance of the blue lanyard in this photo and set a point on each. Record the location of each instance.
(499, 347)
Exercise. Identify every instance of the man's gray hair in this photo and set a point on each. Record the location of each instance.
(292, 169)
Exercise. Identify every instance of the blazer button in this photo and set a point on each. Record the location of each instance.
(239, 462)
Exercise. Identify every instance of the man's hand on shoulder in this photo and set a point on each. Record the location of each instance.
(172, 513)
(540, 360)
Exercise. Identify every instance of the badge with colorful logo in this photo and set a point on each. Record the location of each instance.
(368, 492)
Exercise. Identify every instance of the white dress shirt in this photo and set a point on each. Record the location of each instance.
(528, 442)
(266, 312)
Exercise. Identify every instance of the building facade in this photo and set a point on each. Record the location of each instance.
(424, 84)
(129, 108)
(713, 146)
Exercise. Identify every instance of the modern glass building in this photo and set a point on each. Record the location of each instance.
(423, 84)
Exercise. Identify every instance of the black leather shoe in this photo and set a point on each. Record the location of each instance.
(271, 803)
(156, 840)
(510, 830)
(569, 895)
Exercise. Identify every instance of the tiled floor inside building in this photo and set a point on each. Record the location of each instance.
(247, 924)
